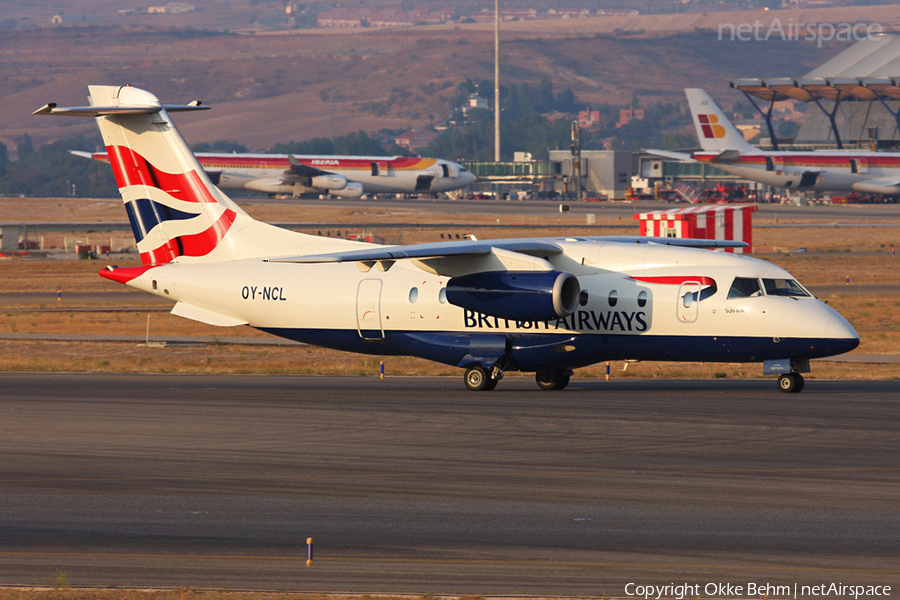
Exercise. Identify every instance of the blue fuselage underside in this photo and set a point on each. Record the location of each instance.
(536, 352)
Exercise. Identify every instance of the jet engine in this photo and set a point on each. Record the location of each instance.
(520, 295)
(271, 185)
(353, 189)
(329, 181)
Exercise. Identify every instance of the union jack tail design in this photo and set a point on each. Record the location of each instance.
(175, 211)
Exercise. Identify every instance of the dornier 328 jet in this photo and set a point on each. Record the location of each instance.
(544, 305)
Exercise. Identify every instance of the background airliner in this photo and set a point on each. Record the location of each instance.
(825, 171)
(344, 176)
(543, 305)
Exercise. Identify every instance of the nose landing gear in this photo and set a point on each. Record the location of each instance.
(479, 379)
(790, 383)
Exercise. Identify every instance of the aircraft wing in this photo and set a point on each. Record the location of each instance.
(455, 259)
(667, 241)
(298, 170)
(673, 155)
(424, 251)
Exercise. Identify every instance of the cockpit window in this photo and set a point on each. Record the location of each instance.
(784, 287)
(745, 287)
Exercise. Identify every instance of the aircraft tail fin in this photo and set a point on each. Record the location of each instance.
(176, 212)
(714, 130)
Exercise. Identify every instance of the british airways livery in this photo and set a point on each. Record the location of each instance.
(542, 305)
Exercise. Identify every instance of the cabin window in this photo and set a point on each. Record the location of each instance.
(642, 298)
(442, 296)
(583, 298)
(745, 287)
(613, 298)
(784, 287)
(413, 295)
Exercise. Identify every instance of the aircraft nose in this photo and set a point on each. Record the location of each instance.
(841, 335)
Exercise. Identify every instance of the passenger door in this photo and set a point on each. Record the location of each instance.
(368, 310)
(688, 307)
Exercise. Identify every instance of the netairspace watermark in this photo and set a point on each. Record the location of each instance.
(821, 32)
(679, 591)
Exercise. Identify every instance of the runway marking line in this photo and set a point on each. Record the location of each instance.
(452, 474)
(460, 561)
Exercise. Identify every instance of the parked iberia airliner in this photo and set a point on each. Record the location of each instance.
(342, 176)
(543, 305)
(822, 171)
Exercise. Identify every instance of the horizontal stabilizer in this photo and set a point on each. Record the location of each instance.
(673, 155)
(102, 111)
(726, 157)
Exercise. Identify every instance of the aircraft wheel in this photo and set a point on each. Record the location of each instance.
(790, 383)
(478, 379)
(552, 380)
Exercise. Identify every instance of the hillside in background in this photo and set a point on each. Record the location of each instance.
(271, 88)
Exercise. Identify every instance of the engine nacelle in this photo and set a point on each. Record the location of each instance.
(353, 189)
(329, 182)
(271, 185)
(520, 295)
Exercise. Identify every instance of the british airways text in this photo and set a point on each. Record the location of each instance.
(582, 320)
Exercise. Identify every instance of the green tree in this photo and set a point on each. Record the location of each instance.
(52, 170)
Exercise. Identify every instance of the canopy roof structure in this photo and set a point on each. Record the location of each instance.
(867, 71)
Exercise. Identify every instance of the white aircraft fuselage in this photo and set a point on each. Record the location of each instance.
(841, 172)
(638, 302)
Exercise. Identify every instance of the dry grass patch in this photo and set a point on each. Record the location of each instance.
(60, 592)
(162, 323)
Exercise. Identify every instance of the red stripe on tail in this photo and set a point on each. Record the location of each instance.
(130, 168)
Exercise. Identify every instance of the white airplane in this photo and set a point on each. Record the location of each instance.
(724, 147)
(343, 176)
(547, 305)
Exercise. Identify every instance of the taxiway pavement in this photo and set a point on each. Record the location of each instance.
(417, 485)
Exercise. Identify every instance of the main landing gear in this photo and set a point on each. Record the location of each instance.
(790, 383)
(479, 379)
(553, 380)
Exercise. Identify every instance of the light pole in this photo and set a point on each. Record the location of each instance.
(496, 80)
